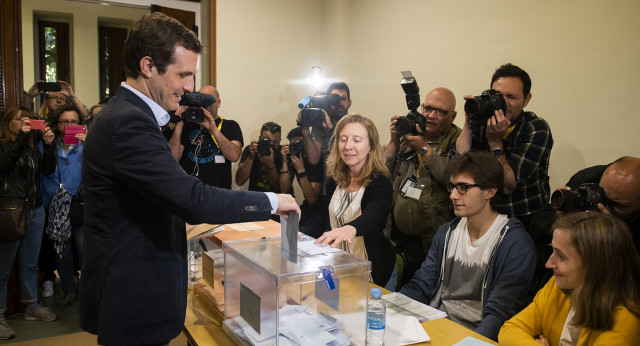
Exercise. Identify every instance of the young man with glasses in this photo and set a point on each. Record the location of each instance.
(262, 168)
(416, 160)
(481, 264)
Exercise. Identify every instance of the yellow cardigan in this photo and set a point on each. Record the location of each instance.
(547, 315)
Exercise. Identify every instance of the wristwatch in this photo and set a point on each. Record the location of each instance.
(423, 150)
(497, 152)
(302, 174)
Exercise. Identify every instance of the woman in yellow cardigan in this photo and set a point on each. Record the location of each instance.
(593, 297)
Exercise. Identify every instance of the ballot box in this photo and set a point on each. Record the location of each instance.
(273, 297)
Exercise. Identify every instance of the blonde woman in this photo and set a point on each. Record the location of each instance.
(359, 195)
(593, 297)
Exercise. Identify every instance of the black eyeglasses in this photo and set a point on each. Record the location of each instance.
(460, 187)
(69, 122)
(426, 110)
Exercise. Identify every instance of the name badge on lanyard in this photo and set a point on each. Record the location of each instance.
(411, 188)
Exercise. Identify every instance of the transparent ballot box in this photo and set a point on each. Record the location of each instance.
(273, 297)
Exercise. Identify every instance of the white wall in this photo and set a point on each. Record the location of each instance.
(582, 57)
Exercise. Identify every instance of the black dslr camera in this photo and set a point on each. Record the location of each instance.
(265, 144)
(481, 108)
(195, 101)
(311, 115)
(296, 148)
(407, 124)
(585, 197)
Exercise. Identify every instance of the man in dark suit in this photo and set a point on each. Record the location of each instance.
(134, 279)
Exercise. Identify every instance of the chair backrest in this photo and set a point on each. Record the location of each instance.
(401, 263)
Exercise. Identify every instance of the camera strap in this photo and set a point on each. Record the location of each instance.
(219, 129)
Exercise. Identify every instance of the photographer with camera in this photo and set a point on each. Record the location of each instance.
(263, 173)
(317, 142)
(611, 189)
(521, 141)
(310, 178)
(55, 96)
(207, 149)
(416, 161)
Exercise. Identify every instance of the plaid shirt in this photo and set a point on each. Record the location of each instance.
(527, 149)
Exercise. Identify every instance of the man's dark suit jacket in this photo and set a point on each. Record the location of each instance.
(134, 279)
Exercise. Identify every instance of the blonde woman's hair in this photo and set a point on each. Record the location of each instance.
(612, 267)
(375, 164)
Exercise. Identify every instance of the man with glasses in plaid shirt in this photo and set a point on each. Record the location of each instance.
(416, 160)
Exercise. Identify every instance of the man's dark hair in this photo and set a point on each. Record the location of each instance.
(156, 35)
(483, 167)
(339, 86)
(295, 132)
(510, 70)
(271, 127)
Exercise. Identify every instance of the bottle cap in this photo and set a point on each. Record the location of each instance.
(376, 292)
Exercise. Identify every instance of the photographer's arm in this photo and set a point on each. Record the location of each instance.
(175, 141)
(274, 173)
(246, 162)
(310, 190)
(231, 150)
(497, 126)
(285, 179)
(30, 95)
(82, 109)
(394, 140)
(312, 149)
(463, 143)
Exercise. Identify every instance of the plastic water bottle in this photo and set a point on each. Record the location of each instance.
(376, 316)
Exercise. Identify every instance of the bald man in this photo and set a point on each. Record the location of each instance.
(206, 150)
(416, 160)
(620, 181)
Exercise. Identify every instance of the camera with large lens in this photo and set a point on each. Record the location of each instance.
(195, 101)
(265, 144)
(481, 108)
(312, 106)
(296, 148)
(585, 197)
(407, 124)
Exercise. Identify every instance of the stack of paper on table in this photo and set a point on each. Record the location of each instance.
(403, 330)
(298, 327)
(404, 305)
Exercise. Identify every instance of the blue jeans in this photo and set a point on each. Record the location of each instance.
(64, 261)
(28, 257)
(393, 280)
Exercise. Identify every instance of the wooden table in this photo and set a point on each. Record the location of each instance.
(202, 328)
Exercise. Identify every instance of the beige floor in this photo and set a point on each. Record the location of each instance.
(81, 339)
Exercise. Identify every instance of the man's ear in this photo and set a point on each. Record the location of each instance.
(491, 192)
(526, 100)
(349, 104)
(146, 66)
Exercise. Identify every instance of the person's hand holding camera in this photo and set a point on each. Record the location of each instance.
(497, 126)
(267, 160)
(327, 124)
(66, 89)
(34, 91)
(297, 163)
(253, 149)
(415, 142)
(395, 137)
(208, 122)
(48, 136)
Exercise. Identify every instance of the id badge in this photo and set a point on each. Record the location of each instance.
(219, 158)
(411, 188)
